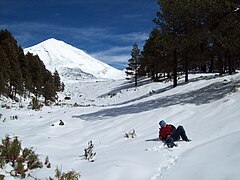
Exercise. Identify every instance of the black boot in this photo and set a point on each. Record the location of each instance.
(170, 142)
(171, 145)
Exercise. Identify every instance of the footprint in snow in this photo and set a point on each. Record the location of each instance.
(156, 148)
(170, 160)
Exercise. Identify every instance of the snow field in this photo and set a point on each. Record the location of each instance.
(210, 118)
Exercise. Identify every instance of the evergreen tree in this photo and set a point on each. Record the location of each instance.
(194, 36)
(4, 72)
(224, 31)
(155, 57)
(170, 27)
(151, 63)
(23, 64)
(133, 66)
(11, 50)
(35, 73)
(19, 72)
(48, 91)
(57, 81)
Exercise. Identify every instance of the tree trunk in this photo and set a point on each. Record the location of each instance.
(186, 68)
(174, 68)
(220, 64)
(136, 79)
(229, 64)
(211, 64)
(225, 63)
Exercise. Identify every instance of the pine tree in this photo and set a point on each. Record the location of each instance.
(197, 35)
(4, 72)
(48, 91)
(225, 33)
(11, 49)
(170, 26)
(57, 81)
(23, 64)
(133, 66)
(154, 56)
(19, 72)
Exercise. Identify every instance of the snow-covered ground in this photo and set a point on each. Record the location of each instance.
(104, 110)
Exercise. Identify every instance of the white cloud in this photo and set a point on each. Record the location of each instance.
(99, 42)
(135, 37)
(117, 56)
(49, 28)
(91, 34)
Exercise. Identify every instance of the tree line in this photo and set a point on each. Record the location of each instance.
(24, 74)
(190, 36)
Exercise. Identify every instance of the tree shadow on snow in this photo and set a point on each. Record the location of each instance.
(204, 95)
(130, 84)
(126, 85)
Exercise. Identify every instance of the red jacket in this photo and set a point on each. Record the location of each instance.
(165, 131)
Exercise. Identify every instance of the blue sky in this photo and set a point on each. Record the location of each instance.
(105, 29)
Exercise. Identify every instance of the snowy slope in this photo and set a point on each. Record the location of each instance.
(208, 107)
(72, 63)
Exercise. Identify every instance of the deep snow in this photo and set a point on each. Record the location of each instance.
(207, 107)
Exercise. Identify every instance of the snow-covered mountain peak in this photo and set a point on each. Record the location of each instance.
(51, 41)
(65, 58)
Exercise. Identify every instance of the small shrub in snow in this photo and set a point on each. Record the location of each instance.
(11, 153)
(2, 162)
(47, 163)
(35, 104)
(130, 134)
(70, 175)
(10, 150)
(61, 123)
(19, 161)
(31, 158)
(88, 152)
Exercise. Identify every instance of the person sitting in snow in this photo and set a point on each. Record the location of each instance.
(169, 133)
